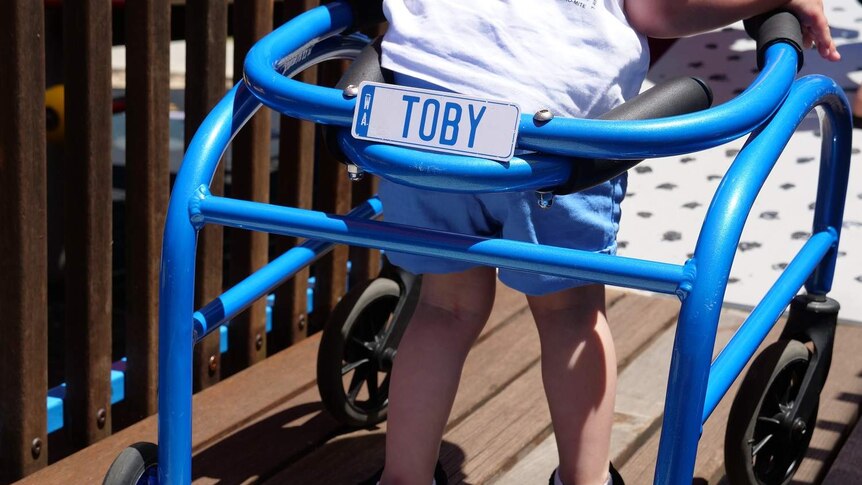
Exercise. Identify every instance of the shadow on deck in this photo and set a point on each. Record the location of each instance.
(266, 424)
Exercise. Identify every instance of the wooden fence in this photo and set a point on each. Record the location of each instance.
(104, 306)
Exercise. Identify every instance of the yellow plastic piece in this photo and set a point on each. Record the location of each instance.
(55, 115)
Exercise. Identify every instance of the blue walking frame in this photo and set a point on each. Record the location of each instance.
(768, 111)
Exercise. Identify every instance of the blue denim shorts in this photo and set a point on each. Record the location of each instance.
(587, 220)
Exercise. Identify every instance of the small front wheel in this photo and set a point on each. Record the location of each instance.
(136, 465)
(761, 446)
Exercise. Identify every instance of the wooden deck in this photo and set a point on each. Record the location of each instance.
(266, 423)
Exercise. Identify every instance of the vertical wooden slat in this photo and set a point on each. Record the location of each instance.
(365, 263)
(206, 32)
(294, 186)
(333, 194)
(87, 33)
(23, 245)
(249, 181)
(147, 99)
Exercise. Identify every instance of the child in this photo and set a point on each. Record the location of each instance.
(578, 58)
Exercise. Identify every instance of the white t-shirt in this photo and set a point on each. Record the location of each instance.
(579, 58)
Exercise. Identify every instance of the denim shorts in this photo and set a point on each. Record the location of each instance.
(587, 220)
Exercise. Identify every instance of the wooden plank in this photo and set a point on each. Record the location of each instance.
(268, 417)
(364, 263)
(497, 368)
(333, 195)
(87, 164)
(206, 31)
(637, 320)
(641, 384)
(23, 287)
(294, 189)
(281, 387)
(845, 469)
(216, 413)
(639, 404)
(147, 154)
(640, 467)
(491, 439)
(297, 427)
(840, 403)
(495, 436)
(294, 182)
(359, 453)
(249, 181)
(839, 407)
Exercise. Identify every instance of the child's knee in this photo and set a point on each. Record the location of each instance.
(466, 298)
(574, 304)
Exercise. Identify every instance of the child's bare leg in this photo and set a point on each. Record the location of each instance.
(451, 312)
(579, 374)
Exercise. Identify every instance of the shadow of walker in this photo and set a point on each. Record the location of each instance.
(301, 445)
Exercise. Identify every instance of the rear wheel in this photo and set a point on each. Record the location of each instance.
(354, 362)
(762, 446)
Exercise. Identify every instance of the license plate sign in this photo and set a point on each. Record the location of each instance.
(436, 121)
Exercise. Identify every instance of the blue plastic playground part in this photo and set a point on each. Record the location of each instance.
(56, 396)
(768, 111)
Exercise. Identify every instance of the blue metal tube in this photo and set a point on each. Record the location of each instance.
(836, 133)
(289, 44)
(732, 359)
(716, 246)
(669, 136)
(616, 270)
(176, 289)
(456, 173)
(264, 280)
(817, 258)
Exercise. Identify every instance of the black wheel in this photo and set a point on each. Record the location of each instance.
(761, 446)
(136, 465)
(353, 362)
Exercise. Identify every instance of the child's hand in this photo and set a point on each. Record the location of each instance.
(815, 29)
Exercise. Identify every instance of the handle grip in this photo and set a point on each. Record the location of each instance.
(674, 97)
(772, 27)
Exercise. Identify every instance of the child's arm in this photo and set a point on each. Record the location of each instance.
(679, 18)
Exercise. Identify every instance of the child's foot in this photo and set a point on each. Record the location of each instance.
(614, 479)
(440, 477)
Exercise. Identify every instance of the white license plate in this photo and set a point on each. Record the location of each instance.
(432, 120)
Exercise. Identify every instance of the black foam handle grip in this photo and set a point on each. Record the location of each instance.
(772, 27)
(677, 96)
(674, 97)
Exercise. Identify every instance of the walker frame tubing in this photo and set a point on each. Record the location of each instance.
(693, 389)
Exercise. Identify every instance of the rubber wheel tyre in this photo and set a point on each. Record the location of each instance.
(352, 378)
(136, 465)
(759, 447)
